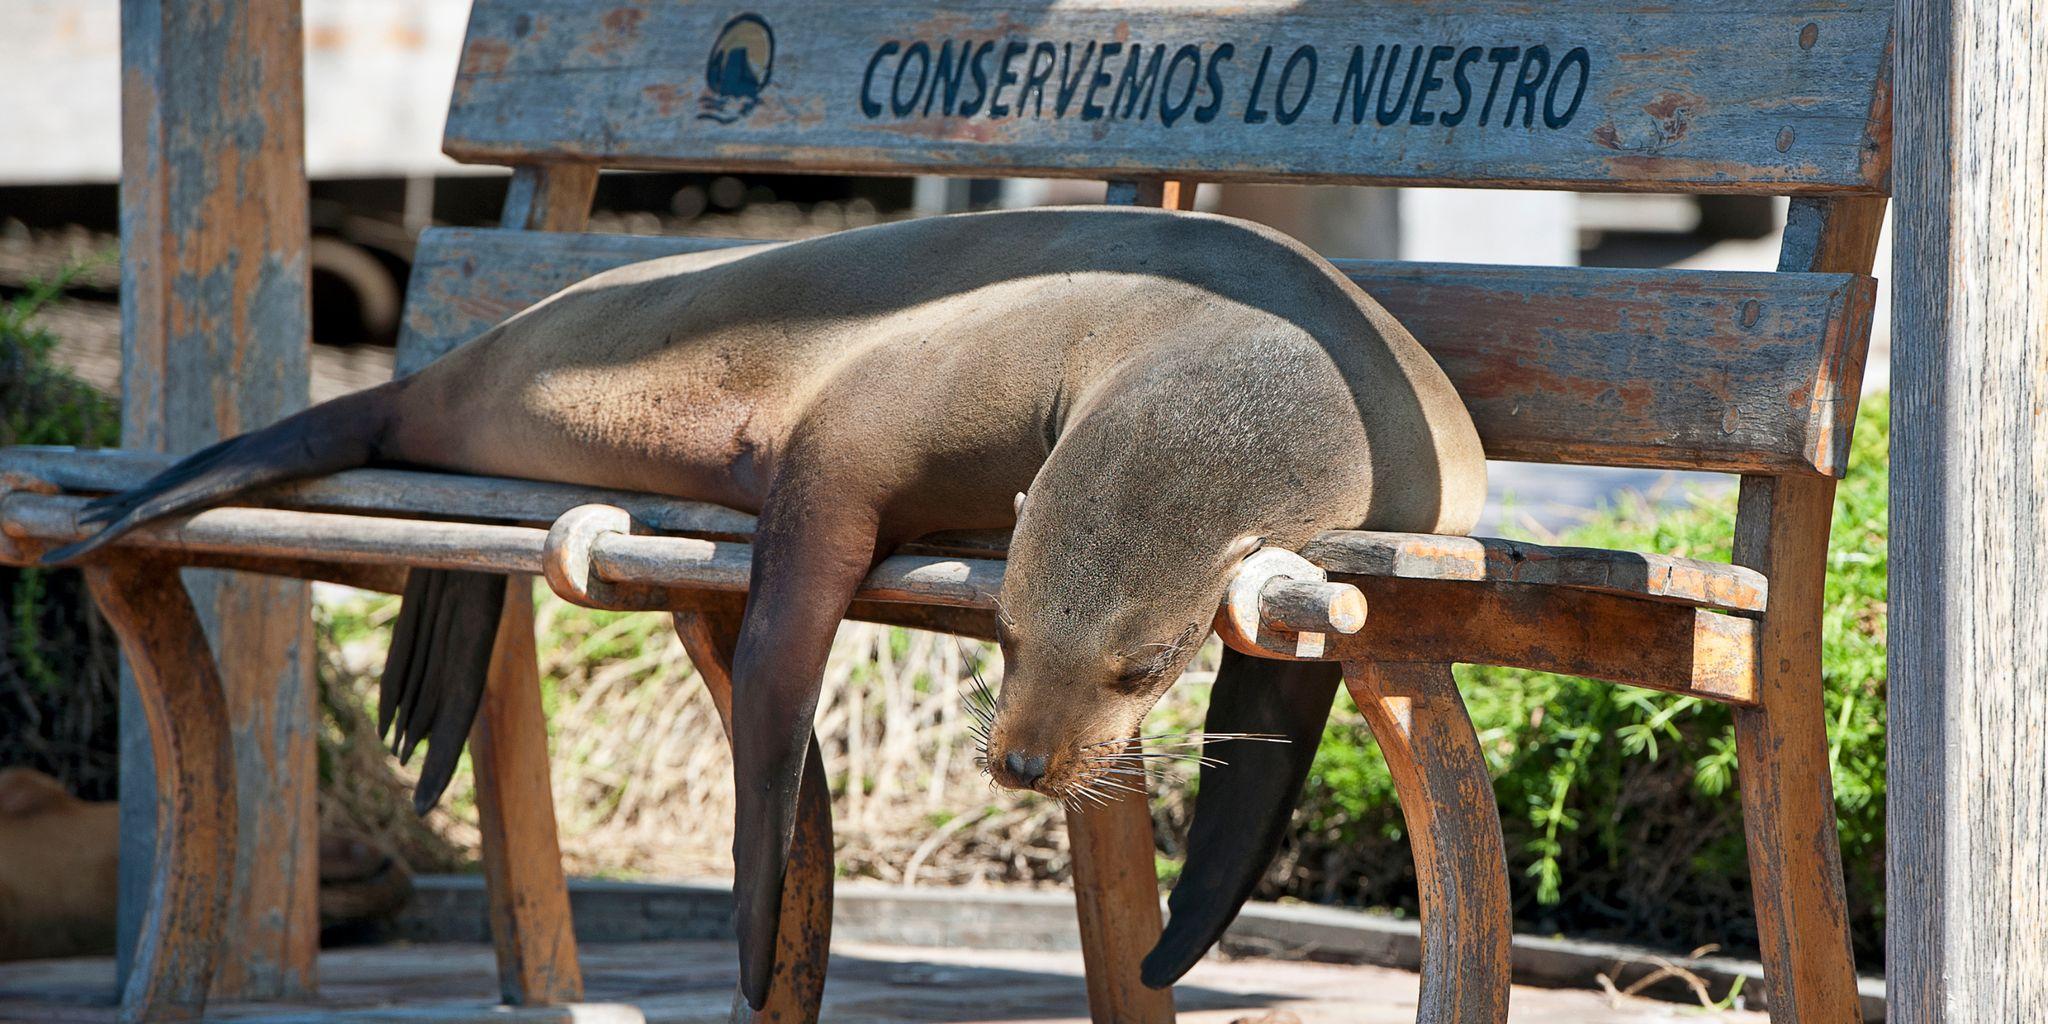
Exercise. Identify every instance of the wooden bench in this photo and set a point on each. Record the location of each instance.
(1755, 374)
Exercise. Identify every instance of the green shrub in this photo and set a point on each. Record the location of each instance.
(1620, 805)
(57, 660)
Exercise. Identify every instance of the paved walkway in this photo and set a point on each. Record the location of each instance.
(691, 982)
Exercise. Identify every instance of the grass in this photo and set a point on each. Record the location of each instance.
(58, 669)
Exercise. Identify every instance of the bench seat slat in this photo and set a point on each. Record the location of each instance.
(1553, 629)
(1740, 95)
(1669, 578)
(1676, 369)
(1425, 556)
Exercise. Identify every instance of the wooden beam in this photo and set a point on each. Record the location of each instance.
(1427, 556)
(1651, 644)
(1788, 805)
(1764, 96)
(531, 927)
(1742, 372)
(214, 328)
(183, 931)
(1968, 850)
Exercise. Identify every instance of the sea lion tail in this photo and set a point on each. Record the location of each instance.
(435, 674)
(1245, 803)
(340, 434)
(448, 621)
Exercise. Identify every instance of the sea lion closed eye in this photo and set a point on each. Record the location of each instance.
(1164, 387)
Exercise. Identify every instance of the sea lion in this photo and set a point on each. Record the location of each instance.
(59, 857)
(1165, 390)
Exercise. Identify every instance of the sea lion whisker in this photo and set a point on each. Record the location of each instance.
(1196, 738)
(1113, 785)
(1193, 759)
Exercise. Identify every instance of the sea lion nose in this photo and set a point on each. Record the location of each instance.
(1027, 769)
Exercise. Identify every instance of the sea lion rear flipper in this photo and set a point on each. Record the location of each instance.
(434, 676)
(810, 553)
(1244, 804)
(338, 434)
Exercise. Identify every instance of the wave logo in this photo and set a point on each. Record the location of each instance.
(741, 65)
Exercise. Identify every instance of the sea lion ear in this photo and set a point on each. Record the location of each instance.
(1017, 506)
(1241, 548)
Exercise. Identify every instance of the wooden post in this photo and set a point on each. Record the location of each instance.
(710, 633)
(1116, 882)
(1461, 869)
(214, 327)
(529, 896)
(1967, 864)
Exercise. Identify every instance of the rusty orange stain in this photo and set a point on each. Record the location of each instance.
(666, 97)
(485, 57)
(624, 21)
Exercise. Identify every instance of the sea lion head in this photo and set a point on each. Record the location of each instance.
(1156, 489)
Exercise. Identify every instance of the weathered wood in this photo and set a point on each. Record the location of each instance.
(391, 491)
(1782, 744)
(508, 750)
(214, 316)
(1968, 684)
(549, 197)
(1116, 898)
(1242, 622)
(1754, 95)
(1303, 606)
(315, 536)
(1788, 806)
(1416, 556)
(411, 493)
(1736, 372)
(300, 537)
(180, 941)
(1554, 629)
(1557, 629)
(1425, 556)
(710, 633)
(529, 897)
(1164, 193)
(1461, 868)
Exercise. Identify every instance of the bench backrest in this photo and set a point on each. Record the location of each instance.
(1737, 372)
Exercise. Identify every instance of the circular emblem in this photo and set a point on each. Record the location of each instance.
(742, 62)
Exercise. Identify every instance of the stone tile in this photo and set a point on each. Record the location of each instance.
(691, 983)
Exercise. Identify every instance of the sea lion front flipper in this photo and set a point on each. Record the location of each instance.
(811, 550)
(1244, 805)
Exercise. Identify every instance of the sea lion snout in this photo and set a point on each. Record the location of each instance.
(1023, 771)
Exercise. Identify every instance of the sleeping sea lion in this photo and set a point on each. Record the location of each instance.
(1144, 395)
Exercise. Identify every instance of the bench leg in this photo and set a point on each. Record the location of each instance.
(508, 748)
(1795, 859)
(1116, 896)
(804, 935)
(1461, 868)
(1788, 800)
(179, 943)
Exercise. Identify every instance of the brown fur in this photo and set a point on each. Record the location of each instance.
(59, 858)
(1227, 379)
(1164, 386)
